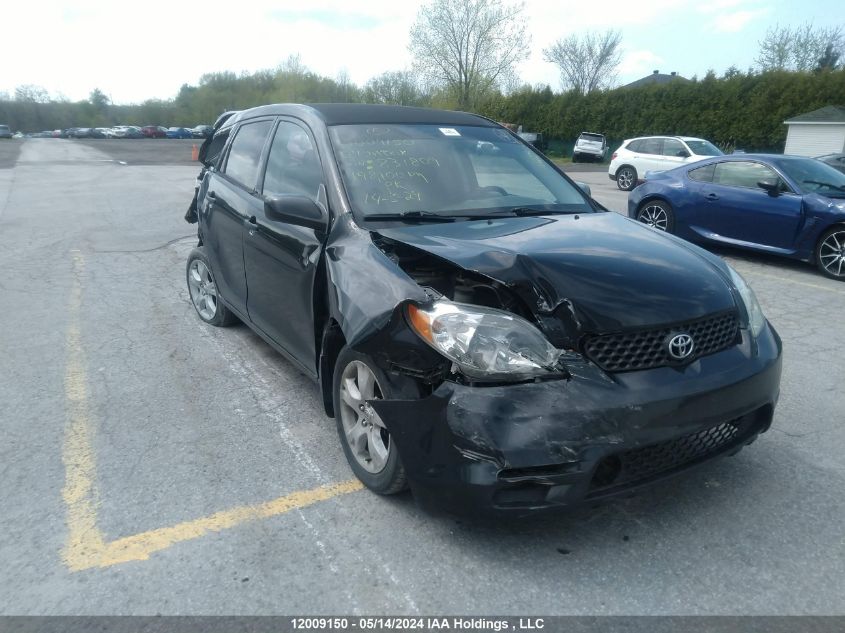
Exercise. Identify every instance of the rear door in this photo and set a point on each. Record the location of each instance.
(733, 206)
(230, 201)
(281, 259)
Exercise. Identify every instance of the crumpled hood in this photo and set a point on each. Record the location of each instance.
(607, 272)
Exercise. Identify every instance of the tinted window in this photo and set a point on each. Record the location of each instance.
(211, 148)
(743, 174)
(635, 146)
(292, 166)
(702, 174)
(245, 154)
(673, 147)
(592, 137)
(651, 146)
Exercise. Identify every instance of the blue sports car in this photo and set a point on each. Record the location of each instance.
(785, 205)
(178, 132)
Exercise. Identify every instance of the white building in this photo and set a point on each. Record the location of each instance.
(816, 133)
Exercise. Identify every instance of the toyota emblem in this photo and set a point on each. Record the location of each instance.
(680, 346)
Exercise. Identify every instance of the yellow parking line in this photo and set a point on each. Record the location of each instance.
(751, 273)
(85, 546)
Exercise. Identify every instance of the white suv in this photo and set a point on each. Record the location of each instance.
(637, 156)
(590, 145)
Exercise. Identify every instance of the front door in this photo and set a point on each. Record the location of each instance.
(734, 206)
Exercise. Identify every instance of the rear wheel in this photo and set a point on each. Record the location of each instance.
(626, 178)
(658, 215)
(203, 290)
(830, 253)
(366, 441)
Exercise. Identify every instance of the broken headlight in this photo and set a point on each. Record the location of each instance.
(485, 343)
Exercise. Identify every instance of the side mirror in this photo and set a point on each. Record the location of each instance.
(683, 154)
(297, 210)
(772, 188)
(583, 186)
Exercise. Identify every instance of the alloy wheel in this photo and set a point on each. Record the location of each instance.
(363, 428)
(655, 216)
(832, 253)
(625, 178)
(203, 289)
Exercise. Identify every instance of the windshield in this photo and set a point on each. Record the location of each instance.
(447, 171)
(814, 176)
(598, 138)
(704, 148)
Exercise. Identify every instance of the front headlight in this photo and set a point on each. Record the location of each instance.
(753, 312)
(483, 342)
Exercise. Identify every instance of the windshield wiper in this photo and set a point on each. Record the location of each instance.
(525, 211)
(824, 184)
(416, 216)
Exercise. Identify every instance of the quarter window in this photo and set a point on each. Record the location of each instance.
(743, 174)
(292, 166)
(245, 154)
(702, 174)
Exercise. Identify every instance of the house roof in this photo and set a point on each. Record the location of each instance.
(827, 114)
(655, 77)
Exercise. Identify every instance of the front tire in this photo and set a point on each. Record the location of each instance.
(366, 442)
(830, 253)
(626, 178)
(202, 289)
(657, 214)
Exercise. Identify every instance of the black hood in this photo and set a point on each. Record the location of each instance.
(609, 273)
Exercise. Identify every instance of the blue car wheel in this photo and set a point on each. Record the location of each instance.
(658, 215)
(830, 253)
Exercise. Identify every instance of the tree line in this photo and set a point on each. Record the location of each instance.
(466, 52)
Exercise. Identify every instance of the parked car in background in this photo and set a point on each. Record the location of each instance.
(5, 131)
(178, 132)
(837, 161)
(80, 132)
(590, 146)
(481, 330)
(536, 139)
(201, 131)
(102, 132)
(785, 205)
(154, 131)
(638, 156)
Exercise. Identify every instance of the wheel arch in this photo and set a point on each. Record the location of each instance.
(651, 197)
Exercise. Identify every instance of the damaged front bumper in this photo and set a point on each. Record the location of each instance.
(560, 443)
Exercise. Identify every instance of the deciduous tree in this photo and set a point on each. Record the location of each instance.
(586, 62)
(468, 46)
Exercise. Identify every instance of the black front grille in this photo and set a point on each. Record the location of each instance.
(646, 349)
(640, 464)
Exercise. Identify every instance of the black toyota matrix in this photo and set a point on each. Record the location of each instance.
(481, 330)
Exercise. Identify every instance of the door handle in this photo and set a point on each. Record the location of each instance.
(712, 196)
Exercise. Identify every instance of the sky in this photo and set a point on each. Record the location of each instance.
(134, 52)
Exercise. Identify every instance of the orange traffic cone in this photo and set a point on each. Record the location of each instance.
(195, 152)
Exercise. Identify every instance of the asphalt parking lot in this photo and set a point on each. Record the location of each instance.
(154, 465)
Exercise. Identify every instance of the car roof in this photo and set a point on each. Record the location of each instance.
(364, 113)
